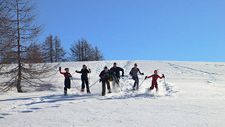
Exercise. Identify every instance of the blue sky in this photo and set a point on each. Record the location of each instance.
(184, 30)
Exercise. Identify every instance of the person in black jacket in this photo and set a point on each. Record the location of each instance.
(104, 78)
(134, 74)
(84, 78)
(115, 73)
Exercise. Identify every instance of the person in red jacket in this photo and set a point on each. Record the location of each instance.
(67, 81)
(155, 77)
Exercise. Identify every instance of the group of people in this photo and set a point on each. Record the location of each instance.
(109, 75)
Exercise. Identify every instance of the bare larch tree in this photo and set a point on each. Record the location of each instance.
(59, 51)
(19, 32)
(52, 50)
(83, 51)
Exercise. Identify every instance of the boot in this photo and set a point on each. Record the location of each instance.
(65, 93)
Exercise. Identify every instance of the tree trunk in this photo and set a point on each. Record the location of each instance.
(51, 50)
(19, 75)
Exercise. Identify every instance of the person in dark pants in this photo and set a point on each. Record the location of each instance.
(67, 81)
(134, 73)
(84, 78)
(115, 72)
(104, 78)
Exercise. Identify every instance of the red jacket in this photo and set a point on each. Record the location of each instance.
(66, 74)
(154, 78)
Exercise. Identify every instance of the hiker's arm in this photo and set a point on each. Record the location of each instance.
(140, 72)
(121, 69)
(78, 71)
(60, 70)
(148, 77)
(163, 76)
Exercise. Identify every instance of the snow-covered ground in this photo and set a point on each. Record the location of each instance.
(193, 95)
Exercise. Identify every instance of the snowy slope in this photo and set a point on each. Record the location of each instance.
(193, 95)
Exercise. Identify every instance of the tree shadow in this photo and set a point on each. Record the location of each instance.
(54, 98)
(131, 96)
(35, 108)
(26, 111)
(44, 87)
(50, 99)
(3, 115)
(17, 99)
(61, 98)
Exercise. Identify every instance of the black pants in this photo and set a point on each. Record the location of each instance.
(67, 84)
(116, 80)
(136, 82)
(104, 83)
(85, 82)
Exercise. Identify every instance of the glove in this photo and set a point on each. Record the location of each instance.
(163, 76)
(60, 68)
(100, 80)
(76, 71)
(146, 77)
(142, 73)
(122, 75)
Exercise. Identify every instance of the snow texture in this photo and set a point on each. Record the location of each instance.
(192, 95)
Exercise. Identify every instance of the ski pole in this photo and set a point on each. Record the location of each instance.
(116, 80)
(164, 79)
(94, 83)
(141, 83)
(75, 86)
